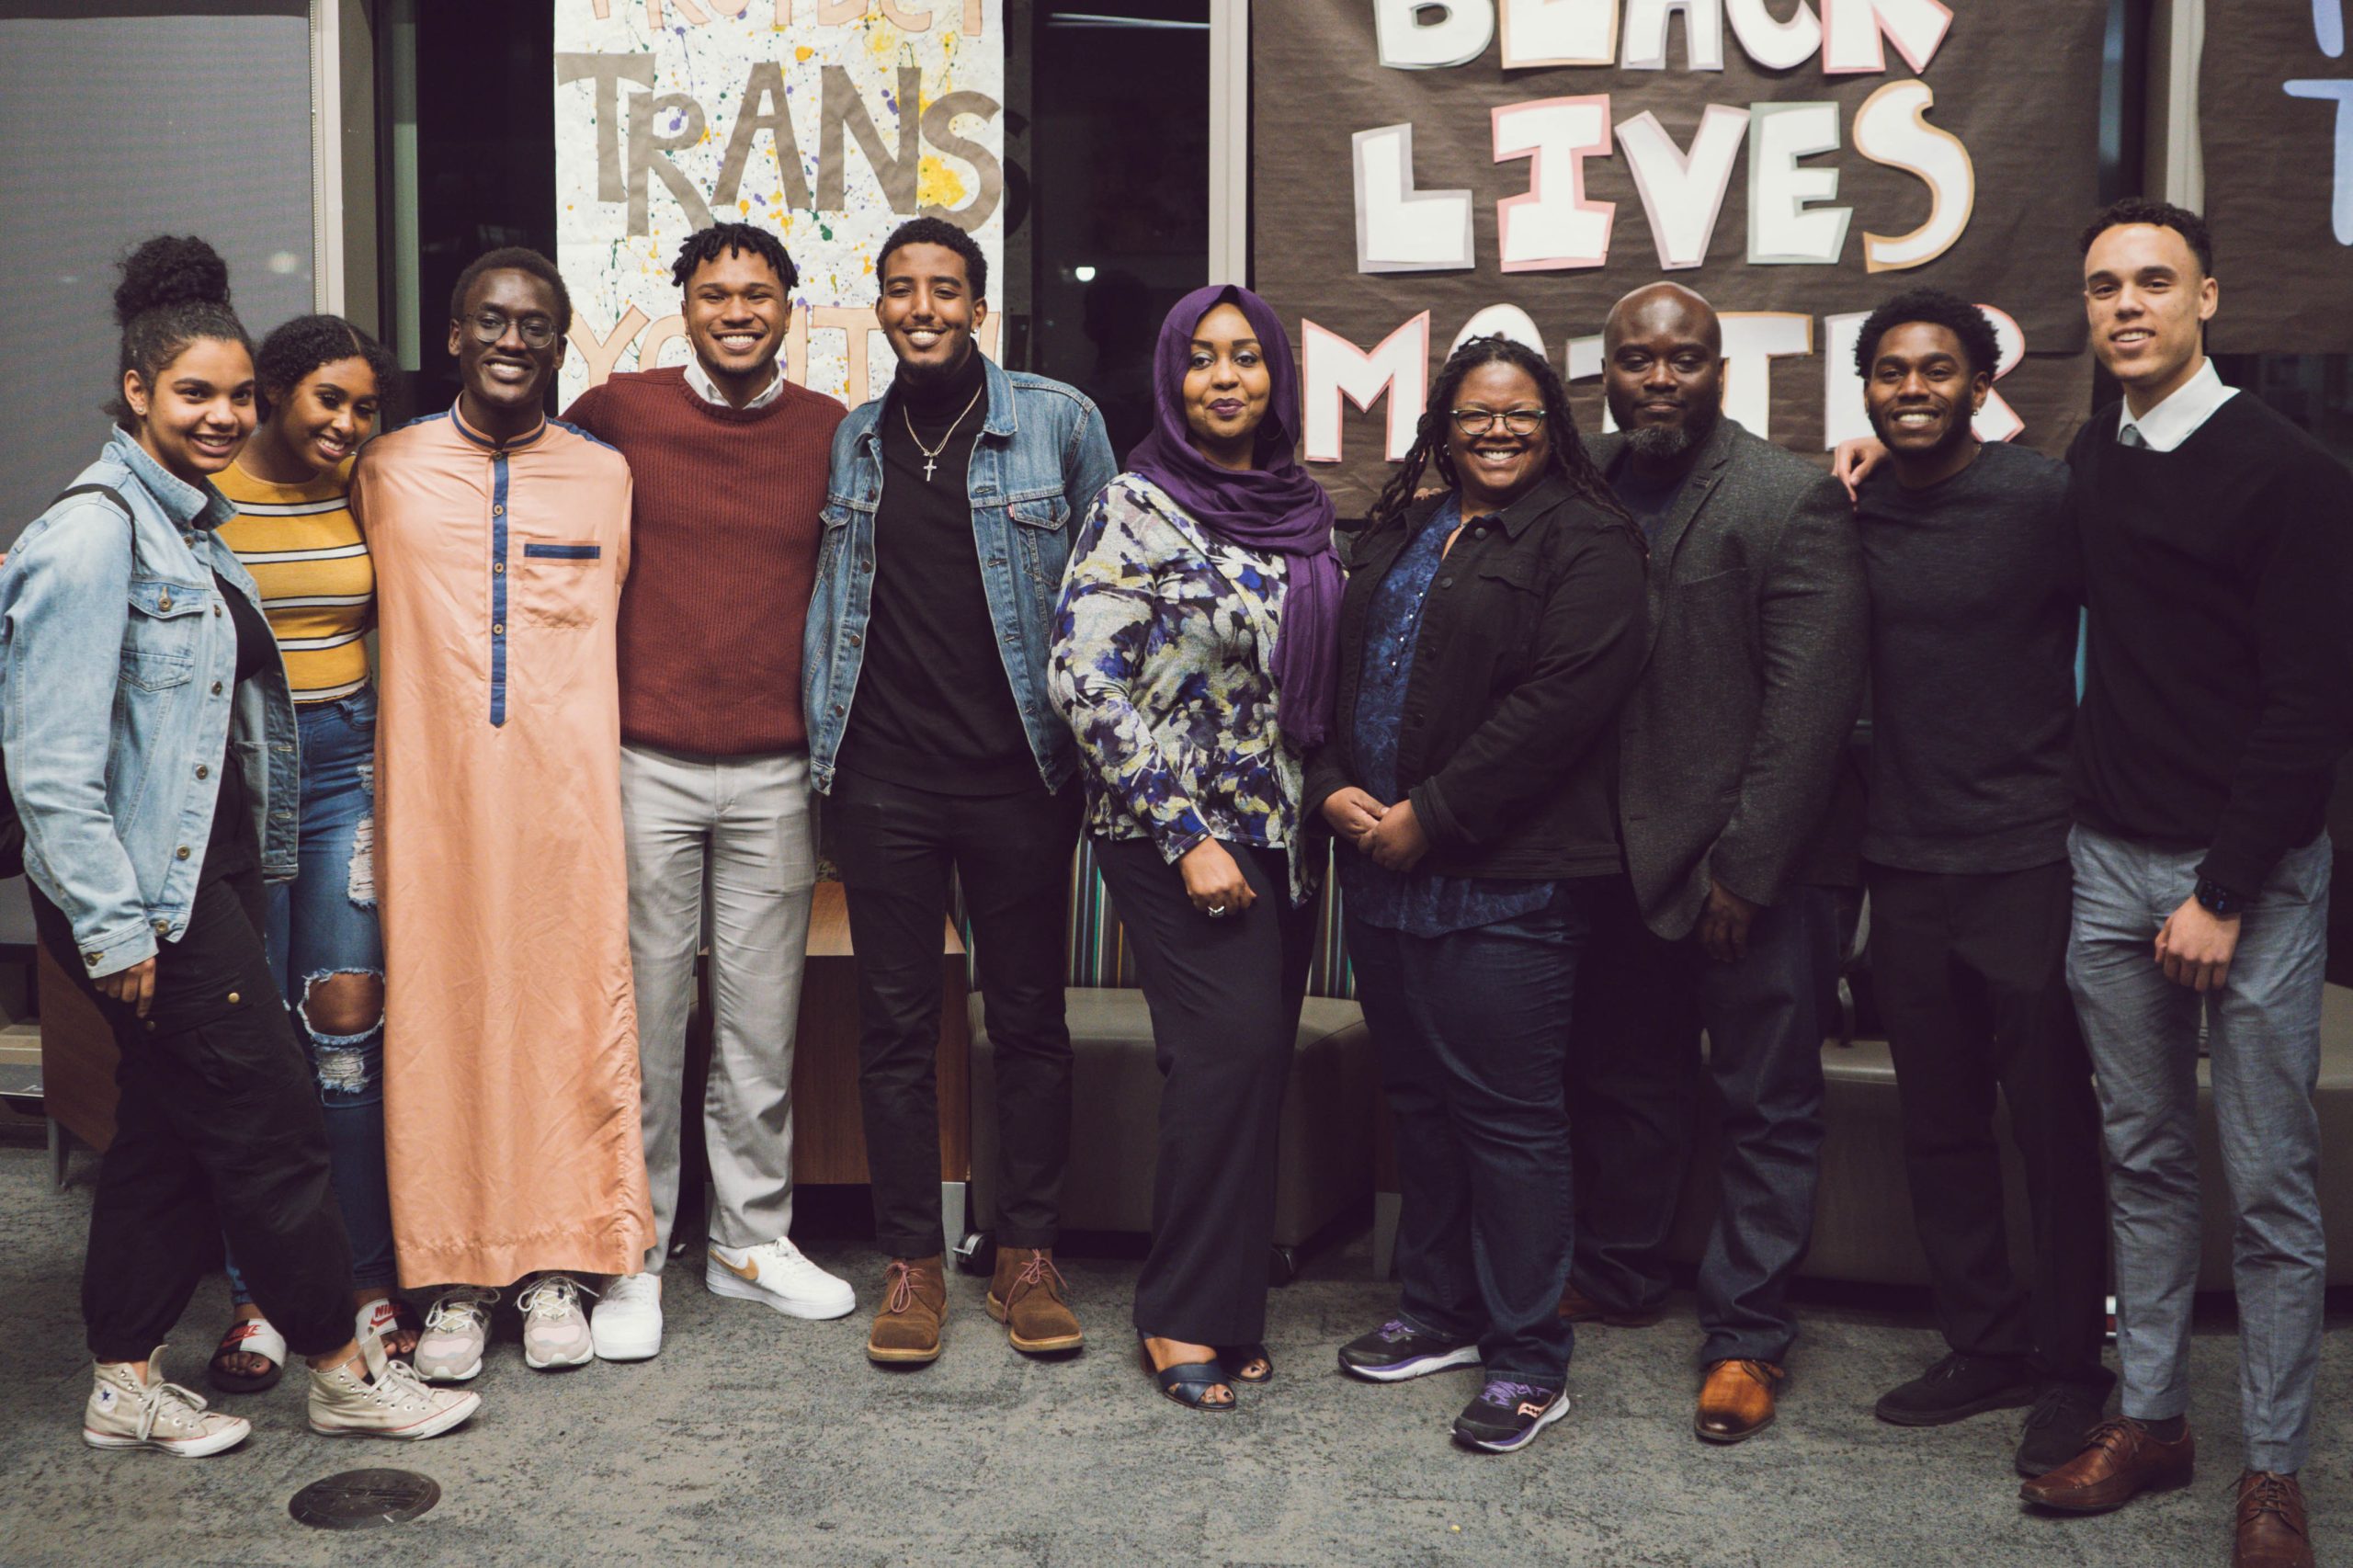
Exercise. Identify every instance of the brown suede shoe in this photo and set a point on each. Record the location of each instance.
(2120, 1458)
(914, 1309)
(1026, 1295)
(2272, 1532)
(1737, 1401)
(1579, 1307)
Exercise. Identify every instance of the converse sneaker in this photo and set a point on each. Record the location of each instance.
(124, 1413)
(777, 1275)
(555, 1331)
(457, 1329)
(627, 1324)
(1508, 1414)
(1399, 1349)
(392, 1401)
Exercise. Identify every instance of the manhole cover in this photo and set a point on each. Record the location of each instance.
(359, 1499)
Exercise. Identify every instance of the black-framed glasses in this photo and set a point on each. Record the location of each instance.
(1515, 421)
(491, 325)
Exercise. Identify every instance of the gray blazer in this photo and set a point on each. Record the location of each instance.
(1757, 629)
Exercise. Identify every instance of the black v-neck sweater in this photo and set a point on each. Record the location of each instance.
(2219, 577)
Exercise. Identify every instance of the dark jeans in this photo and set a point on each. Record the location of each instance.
(1472, 1030)
(895, 846)
(1225, 996)
(1633, 1073)
(218, 1133)
(1970, 973)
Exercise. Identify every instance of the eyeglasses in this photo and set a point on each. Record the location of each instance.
(1516, 421)
(491, 325)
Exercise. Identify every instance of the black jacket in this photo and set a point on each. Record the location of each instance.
(1531, 638)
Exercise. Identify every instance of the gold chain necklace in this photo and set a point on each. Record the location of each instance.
(931, 454)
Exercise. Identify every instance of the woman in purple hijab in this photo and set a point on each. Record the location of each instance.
(1194, 657)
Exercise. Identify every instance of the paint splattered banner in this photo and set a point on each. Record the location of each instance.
(829, 122)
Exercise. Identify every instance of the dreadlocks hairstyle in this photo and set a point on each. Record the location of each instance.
(1568, 456)
(514, 258)
(174, 291)
(1936, 308)
(711, 244)
(300, 346)
(936, 232)
(2163, 215)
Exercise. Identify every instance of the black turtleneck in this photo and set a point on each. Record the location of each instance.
(934, 708)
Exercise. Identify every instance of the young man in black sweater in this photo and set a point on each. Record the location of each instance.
(1974, 584)
(2218, 557)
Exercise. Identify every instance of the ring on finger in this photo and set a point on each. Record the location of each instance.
(1215, 912)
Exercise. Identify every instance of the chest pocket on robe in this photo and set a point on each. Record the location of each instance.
(563, 587)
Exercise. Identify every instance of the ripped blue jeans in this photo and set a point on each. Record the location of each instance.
(322, 924)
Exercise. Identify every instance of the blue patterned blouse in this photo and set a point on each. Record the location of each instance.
(1415, 903)
(1163, 647)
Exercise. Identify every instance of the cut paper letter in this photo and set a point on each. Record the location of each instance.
(1753, 340)
(1331, 368)
(1703, 34)
(1851, 31)
(1559, 32)
(1410, 39)
(1772, 43)
(1893, 128)
(1784, 228)
(1502, 321)
(1683, 192)
(1400, 229)
(1552, 226)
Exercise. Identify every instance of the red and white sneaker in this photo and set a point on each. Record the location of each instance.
(392, 1401)
(126, 1413)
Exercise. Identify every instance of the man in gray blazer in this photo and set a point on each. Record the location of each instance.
(1727, 751)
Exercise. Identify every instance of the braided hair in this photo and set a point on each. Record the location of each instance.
(742, 239)
(294, 349)
(1567, 456)
(174, 291)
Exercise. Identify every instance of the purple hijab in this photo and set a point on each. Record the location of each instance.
(1277, 507)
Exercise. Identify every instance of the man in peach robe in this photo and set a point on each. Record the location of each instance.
(500, 539)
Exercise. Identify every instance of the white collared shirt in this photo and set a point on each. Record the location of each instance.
(707, 389)
(2177, 419)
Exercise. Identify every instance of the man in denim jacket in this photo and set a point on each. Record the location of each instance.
(953, 503)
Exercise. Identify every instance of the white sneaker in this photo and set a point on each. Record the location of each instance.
(457, 1330)
(776, 1274)
(392, 1401)
(124, 1413)
(627, 1324)
(555, 1331)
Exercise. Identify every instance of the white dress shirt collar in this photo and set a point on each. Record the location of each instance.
(2177, 417)
(707, 389)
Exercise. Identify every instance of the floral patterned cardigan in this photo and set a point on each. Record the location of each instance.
(1164, 643)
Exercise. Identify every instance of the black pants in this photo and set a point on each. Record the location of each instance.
(1473, 1029)
(218, 1133)
(1970, 976)
(1225, 997)
(895, 846)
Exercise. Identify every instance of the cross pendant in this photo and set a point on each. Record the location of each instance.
(929, 464)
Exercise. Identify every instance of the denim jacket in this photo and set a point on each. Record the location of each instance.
(1041, 459)
(118, 699)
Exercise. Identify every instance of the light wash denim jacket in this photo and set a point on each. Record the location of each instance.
(1040, 461)
(118, 698)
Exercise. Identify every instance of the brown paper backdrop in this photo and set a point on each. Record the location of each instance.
(2270, 164)
(2017, 81)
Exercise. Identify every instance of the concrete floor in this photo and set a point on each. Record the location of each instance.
(756, 1439)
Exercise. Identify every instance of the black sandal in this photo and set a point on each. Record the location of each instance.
(248, 1336)
(1236, 1358)
(1188, 1382)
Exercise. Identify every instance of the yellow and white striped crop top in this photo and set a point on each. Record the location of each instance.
(318, 587)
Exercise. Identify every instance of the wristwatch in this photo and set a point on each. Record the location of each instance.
(2219, 901)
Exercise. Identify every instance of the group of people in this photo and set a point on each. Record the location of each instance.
(1571, 709)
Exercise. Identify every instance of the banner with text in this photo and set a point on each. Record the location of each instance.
(1426, 172)
(829, 122)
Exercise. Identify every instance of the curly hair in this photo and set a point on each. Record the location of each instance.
(514, 258)
(294, 349)
(2162, 215)
(711, 244)
(174, 292)
(1936, 308)
(1567, 456)
(936, 232)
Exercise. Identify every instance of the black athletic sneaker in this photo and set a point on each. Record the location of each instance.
(2063, 1415)
(1957, 1388)
(1398, 1350)
(1507, 1415)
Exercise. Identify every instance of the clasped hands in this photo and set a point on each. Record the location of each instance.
(1392, 835)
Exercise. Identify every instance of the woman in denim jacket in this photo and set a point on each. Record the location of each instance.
(1194, 658)
(151, 747)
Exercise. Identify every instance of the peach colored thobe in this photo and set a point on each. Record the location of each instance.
(510, 1031)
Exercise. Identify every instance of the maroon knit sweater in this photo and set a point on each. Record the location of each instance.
(722, 556)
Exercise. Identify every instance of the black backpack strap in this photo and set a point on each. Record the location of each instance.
(109, 491)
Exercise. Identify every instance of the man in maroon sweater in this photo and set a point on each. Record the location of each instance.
(730, 463)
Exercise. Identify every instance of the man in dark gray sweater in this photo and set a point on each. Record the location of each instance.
(1973, 583)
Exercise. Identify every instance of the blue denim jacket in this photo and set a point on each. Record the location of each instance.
(118, 697)
(1041, 459)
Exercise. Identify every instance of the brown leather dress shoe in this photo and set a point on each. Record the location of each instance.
(1026, 1295)
(1737, 1401)
(2272, 1532)
(1579, 1307)
(2120, 1460)
(914, 1309)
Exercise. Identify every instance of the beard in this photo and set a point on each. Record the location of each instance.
(1669, 443)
